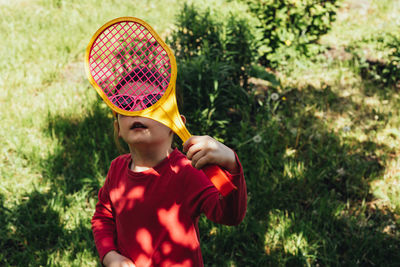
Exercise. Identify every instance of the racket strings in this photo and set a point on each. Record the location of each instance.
(130, 66)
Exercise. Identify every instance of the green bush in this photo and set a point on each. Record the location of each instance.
(214, 59)
(390, 73)
(291, 27)
(383, 70)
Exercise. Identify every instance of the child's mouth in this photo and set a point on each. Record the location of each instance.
(138, 125)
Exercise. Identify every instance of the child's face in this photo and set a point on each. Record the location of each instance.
(143, 131)
(140, 130)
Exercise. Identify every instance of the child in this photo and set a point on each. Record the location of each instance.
(150, 203)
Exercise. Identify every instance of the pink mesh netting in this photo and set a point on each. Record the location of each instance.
(130, 66)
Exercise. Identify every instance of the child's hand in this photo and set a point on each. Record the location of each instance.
(204, 150)
(114, 259)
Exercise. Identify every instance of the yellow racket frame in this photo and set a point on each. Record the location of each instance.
(165, 110)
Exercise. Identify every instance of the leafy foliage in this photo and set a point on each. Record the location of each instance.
(392, 72)
(383, 70)
(214, 60)
(291, 27)
(386, 72)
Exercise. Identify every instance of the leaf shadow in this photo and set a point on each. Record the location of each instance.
(85, 150)
(320, 182)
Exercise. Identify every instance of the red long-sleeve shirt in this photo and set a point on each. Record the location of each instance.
(151, 216)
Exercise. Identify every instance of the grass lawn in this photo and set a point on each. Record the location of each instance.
(324, 185)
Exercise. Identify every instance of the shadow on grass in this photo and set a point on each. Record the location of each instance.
(379, 77)
(85, 150)
(33, 232)
(309, 196)
(310, 201)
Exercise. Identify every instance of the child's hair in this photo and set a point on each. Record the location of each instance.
(143, 75)
(117, 140)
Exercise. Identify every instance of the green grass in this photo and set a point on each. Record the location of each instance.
(52, 161)
(323, 187)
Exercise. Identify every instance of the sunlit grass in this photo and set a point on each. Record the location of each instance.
(387, 190)
(367, 118)
(373, 17)
(281, 235)
(364, 115)
(42, 64)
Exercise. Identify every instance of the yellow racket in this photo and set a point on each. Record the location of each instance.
(134, 72)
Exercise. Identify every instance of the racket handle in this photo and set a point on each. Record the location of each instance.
(219, 178)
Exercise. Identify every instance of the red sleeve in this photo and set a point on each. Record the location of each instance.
(205, 198)
(103, 223)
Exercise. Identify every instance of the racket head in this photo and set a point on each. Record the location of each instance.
(131, 67)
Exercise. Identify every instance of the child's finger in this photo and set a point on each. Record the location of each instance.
(196, 139)
(202, 161)
(199, 159)
(193, 150)
(189, 143)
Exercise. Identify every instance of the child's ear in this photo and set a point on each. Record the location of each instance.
(183, 119)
